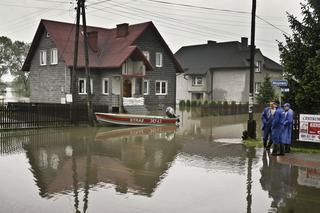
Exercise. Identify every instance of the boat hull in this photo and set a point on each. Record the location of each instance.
(134, 120)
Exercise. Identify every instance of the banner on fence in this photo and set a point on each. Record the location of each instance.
(309, 129)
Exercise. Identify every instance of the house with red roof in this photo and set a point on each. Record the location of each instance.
(129, 61)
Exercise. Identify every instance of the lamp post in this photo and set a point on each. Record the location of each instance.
(251, 128)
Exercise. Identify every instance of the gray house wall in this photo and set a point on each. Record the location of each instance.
(48, 83)
(51, 83)
(148, 41)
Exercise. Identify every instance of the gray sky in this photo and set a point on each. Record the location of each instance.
(178, 25)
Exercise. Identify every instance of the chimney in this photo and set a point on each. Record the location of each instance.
(93, 40)
(122, 30)
(211, 42)
(244, 42)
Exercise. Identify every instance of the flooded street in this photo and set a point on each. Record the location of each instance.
(199, 167)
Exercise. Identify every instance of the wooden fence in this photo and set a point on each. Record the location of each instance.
(38, 115)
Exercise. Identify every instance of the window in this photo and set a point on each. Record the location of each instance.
(82, 86)
(161, 87)
(146, 54)
(146, 87)
(257, 86)
(197, 81)
(105, 86)
(54, 56)
(158, 59)
(258, 66)
(43, 57)
(47, 34)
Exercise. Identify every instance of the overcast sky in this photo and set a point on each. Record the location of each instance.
(178, 25)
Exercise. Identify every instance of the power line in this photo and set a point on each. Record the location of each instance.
(272, 25)
(198, 7)
(216, 9)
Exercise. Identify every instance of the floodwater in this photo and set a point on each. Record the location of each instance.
(199, 167)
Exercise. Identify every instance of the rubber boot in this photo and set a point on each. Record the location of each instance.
(269, 145)
(264, 144)
(281, 150)
(286, 148)
(275, 149)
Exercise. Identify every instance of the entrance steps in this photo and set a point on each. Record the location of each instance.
(135, 106)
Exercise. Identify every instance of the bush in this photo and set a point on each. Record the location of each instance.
(205, 103)
(194, 103)
(182, 103)
(188, 103)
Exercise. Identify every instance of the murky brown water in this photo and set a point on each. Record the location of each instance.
(152, 169)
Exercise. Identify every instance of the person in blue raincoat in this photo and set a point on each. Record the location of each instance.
(276, 128)
(266, 118)
(287, 123)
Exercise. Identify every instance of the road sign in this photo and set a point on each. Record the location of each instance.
(285, 90)
(280, 83)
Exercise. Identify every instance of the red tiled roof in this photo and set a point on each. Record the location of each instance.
(113, 51)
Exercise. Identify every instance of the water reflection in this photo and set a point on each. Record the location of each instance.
(283, 183)
(124, 158)
(155, 169)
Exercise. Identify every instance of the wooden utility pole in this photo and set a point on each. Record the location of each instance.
(251, 121)
(81, 8)
(75, 52)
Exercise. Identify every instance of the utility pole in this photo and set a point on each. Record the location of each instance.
(87, 69)
(251, 122)
(81, 9)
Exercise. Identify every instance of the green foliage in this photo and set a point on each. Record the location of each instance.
(194, 103)
(266, 92)
(205, 103)
(182, 103)
(12, 56)
(188, 103)
(300, 56)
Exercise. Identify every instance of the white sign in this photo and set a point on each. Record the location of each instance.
(309, 129)
(69, 98)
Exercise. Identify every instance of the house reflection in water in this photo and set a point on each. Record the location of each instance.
(132, 160)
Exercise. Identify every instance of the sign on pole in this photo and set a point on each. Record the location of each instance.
(285, 90)
(280, 83)
(309, 129)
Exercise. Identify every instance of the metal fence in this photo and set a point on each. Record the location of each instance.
(38, 115)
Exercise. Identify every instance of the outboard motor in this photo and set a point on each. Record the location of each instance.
(170, 113)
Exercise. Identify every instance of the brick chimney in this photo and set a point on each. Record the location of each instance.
(122, 30)
(244, 42)
(93, 40)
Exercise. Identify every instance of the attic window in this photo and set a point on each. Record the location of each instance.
(47, 35)
(258, 66)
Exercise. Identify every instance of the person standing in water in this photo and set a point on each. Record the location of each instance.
(286, 126)
(267, 117)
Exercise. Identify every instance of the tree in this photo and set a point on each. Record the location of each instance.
(21, 79)
(4, 58)
(12, 56)
(266, 92)
(300, 56)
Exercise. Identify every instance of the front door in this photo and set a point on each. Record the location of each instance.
(127, 88)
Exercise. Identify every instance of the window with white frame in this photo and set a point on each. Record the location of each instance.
(43, 57)
(146, 87)
(54, 56)
(197, 81)
(161, 87)
(146, 54)
(257, 86)
(82, 86)
(158, 59)
(105, 86)
(258, 66)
